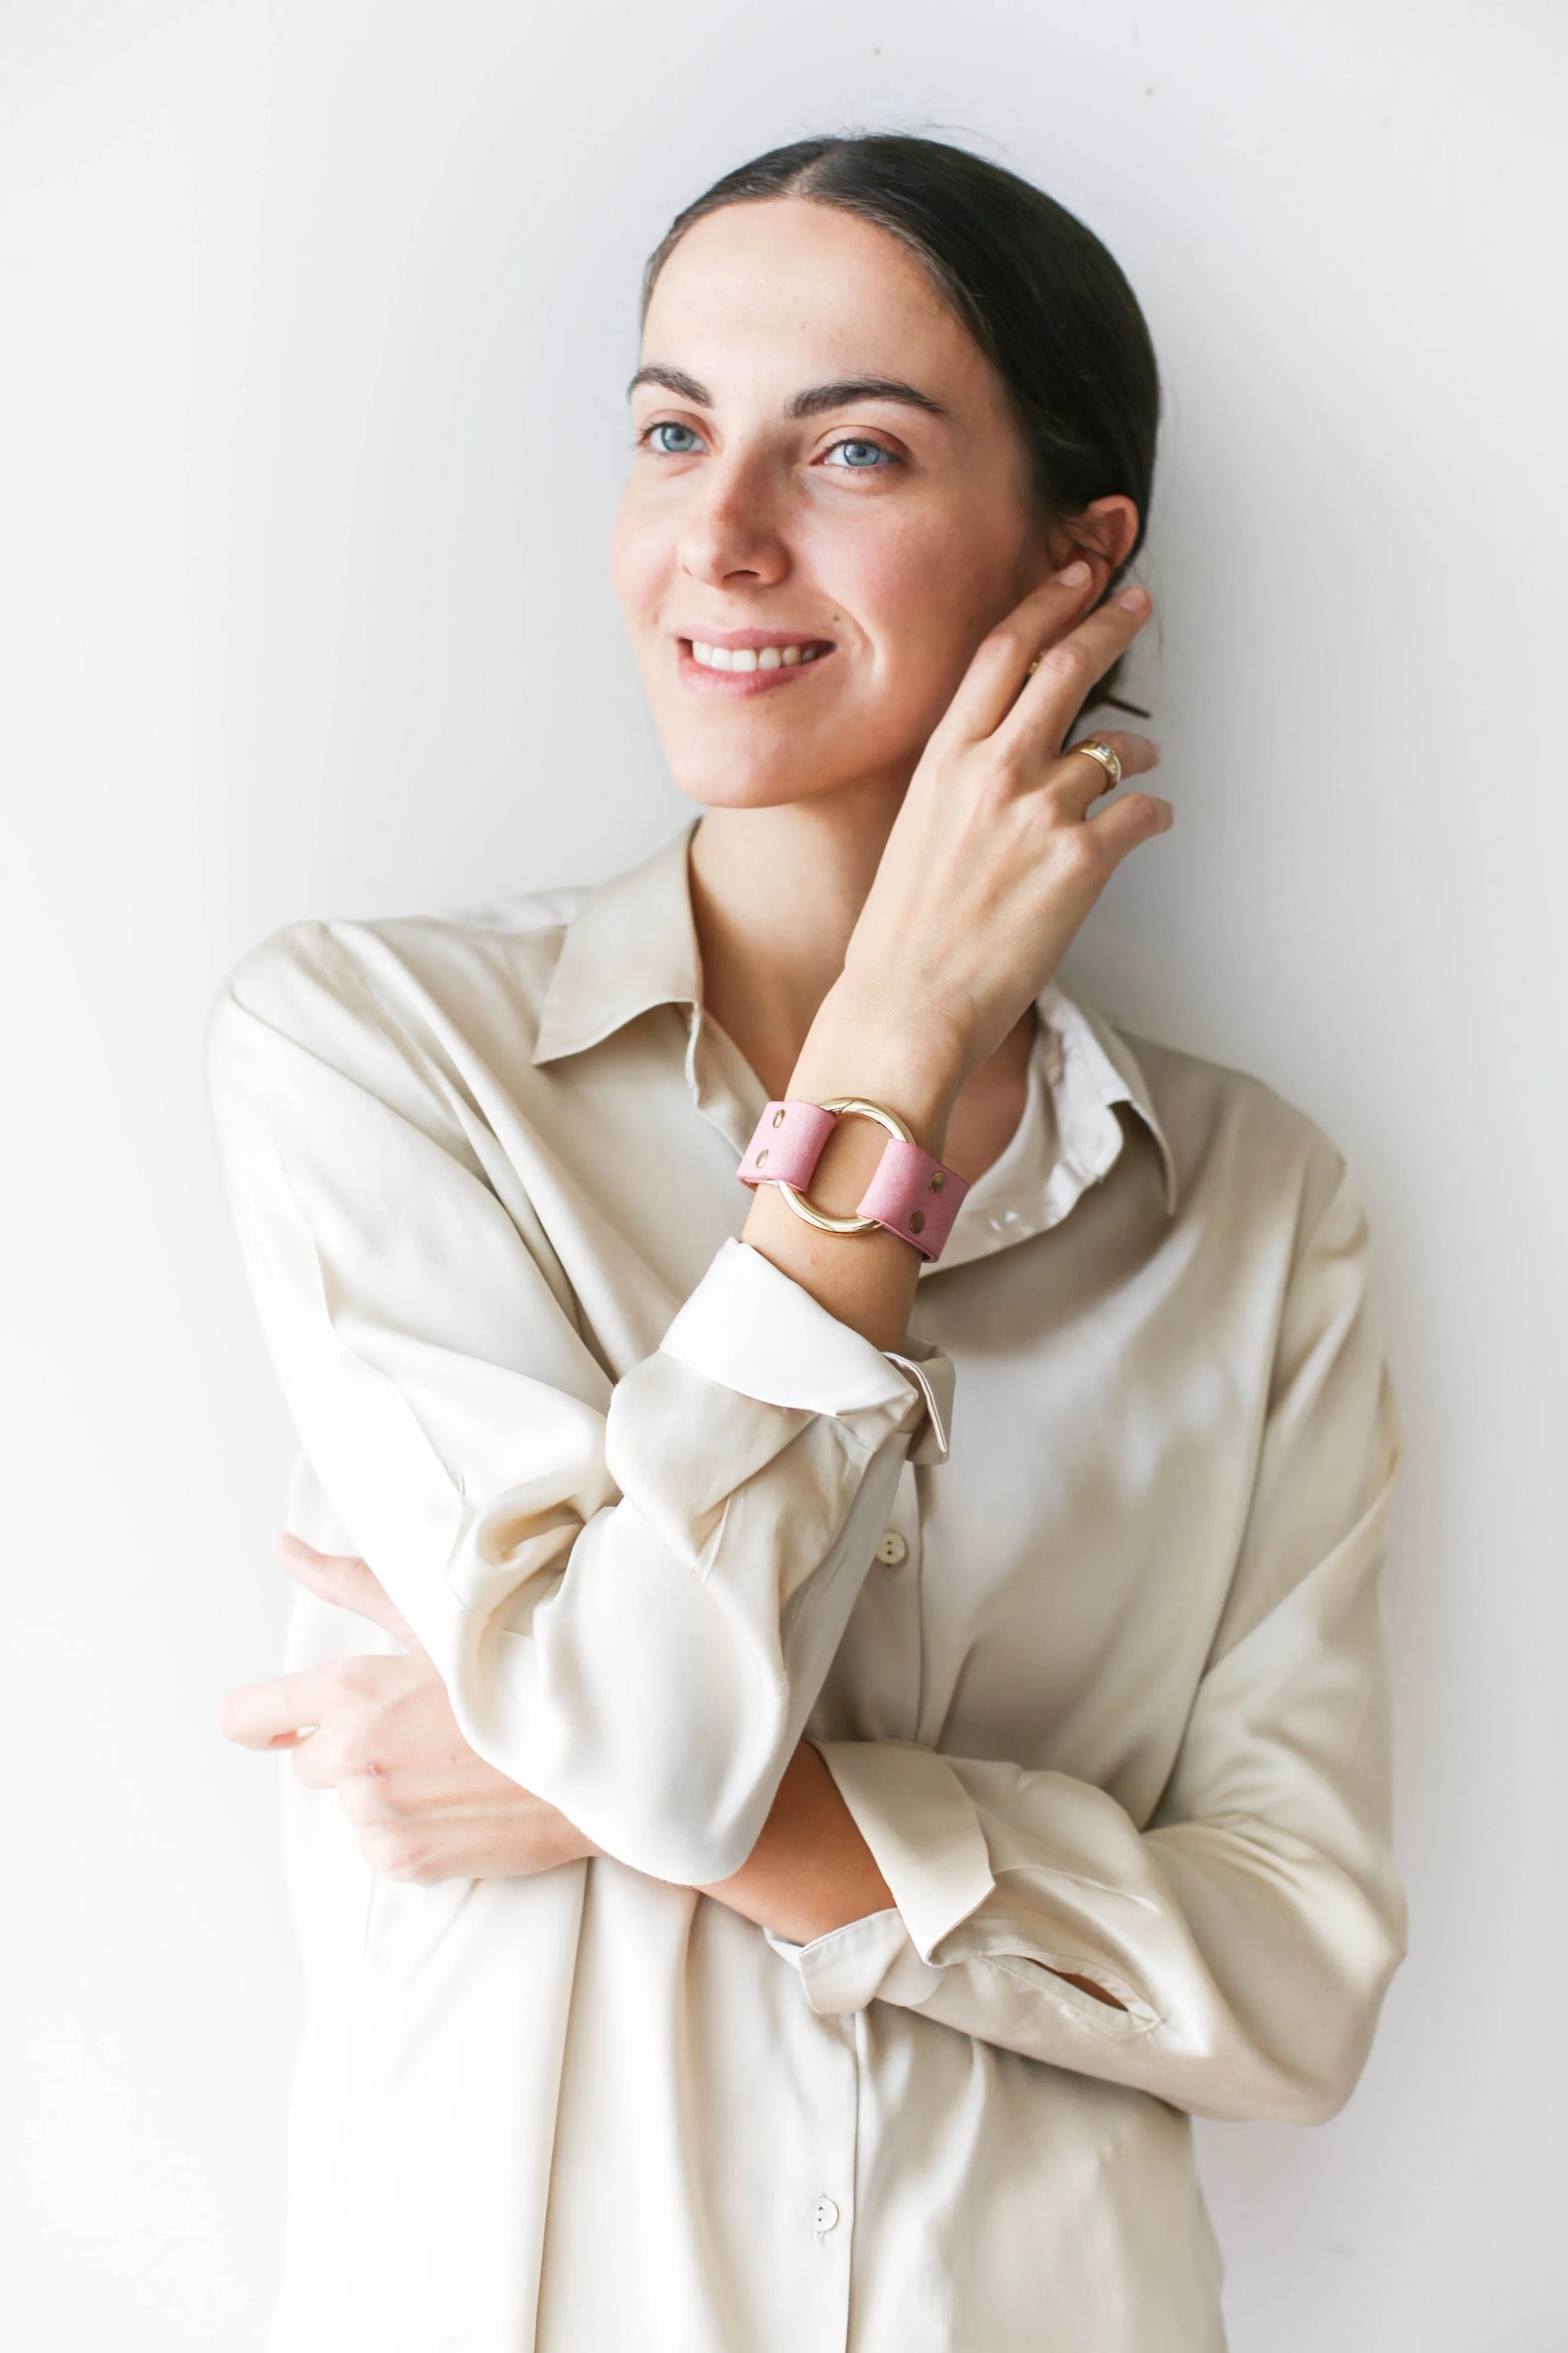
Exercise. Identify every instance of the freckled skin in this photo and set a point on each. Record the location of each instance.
(905, 568)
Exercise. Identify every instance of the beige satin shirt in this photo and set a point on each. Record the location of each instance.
(1103, 1688)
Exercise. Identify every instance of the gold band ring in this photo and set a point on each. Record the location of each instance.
(1098, 749)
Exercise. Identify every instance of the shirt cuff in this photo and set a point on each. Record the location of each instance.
(851, 1965)
(917, 1818)
(750, 1328)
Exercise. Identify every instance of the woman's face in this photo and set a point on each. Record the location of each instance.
(828, 506)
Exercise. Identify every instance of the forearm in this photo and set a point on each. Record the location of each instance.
(811, 1870)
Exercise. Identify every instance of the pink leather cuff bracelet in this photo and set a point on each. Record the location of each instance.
(910, 1193)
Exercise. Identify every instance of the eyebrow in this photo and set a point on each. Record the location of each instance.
(816, 402)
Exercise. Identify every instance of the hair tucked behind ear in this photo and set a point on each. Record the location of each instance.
(1039, 293)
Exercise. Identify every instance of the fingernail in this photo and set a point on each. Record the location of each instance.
(1075, 575)
(1134, 598)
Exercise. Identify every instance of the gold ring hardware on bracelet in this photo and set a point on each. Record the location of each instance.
(1098, 749)
(845, 1107)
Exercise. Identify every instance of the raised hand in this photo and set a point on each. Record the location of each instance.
(996, 858)
(991, 866)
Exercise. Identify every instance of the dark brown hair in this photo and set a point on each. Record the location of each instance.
(1039, 293)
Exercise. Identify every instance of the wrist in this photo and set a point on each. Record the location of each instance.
(863, 1043)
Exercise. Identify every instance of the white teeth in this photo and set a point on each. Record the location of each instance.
(748, 658)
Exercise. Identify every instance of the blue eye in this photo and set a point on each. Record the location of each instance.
(656, 437)
(862, 457)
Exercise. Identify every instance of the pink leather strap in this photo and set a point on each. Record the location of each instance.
(911, 1194)
(788, 1145)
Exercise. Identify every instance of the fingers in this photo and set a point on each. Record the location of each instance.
(274, 1714)
(1129, 821)
(1002, 659)
(1070, 669)
(284, 1712)
(336, 1717)
(1077, 780)
(348, 1583)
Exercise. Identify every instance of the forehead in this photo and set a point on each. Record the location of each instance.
(787, 291)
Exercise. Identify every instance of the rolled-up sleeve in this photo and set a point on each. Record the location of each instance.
(632, 1590)
(1245, 1935)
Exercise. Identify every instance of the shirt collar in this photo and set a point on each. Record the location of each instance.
(1070, 1137)
(1098, 1060)
(631, 946)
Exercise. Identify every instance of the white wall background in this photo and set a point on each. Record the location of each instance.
(313, 323)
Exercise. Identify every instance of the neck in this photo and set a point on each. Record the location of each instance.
(776, 893)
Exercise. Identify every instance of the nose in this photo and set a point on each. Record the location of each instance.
(730, 534)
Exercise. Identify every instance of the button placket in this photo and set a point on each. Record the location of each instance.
(820, 2321)
(873, 1690)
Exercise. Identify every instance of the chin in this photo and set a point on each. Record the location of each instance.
(738, 755)
(740, 784)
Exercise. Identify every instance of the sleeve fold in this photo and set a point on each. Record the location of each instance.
(634, 1589)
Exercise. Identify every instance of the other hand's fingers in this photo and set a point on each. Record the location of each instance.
(274, 1714)
(348, 1583)
(1077, 780)
(1000, 663)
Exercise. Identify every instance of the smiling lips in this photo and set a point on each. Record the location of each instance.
(747, 661)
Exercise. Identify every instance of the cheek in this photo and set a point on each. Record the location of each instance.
(638, 561)
(928, 584)
(924, 592)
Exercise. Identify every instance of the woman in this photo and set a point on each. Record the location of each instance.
(780, 1877)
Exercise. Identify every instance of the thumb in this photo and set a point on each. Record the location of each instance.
(348, 1583)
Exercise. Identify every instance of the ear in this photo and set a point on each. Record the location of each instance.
(1103, 534)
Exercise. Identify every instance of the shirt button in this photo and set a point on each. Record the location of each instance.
(824, 2217)
(892, 1551)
